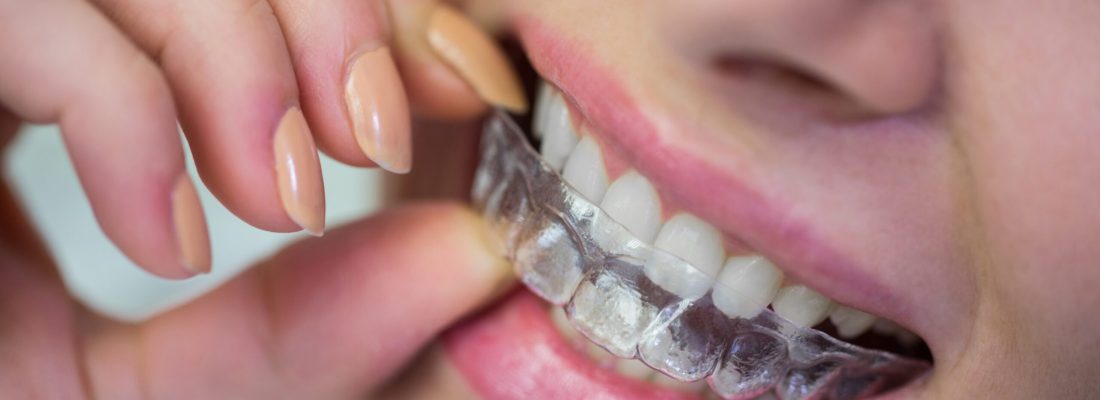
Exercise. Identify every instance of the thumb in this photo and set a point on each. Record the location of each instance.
(351, 309)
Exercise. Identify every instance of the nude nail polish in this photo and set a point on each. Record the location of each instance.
(191, 233)
(379, 110)
(298, 173)
(471, 52)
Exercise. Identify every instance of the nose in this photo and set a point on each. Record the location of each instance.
(882, 55)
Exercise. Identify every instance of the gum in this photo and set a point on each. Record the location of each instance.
(570, 253)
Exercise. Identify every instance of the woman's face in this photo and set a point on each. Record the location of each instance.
(935, 163)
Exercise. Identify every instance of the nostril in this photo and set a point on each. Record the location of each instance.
(871, 58)
(773, 72)
(778, 82)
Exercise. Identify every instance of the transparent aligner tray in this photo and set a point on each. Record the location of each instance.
(569, 252)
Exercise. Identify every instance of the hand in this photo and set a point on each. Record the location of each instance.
(257, 86)
(326, 318)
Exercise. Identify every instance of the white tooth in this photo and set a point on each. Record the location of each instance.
(907, 338)
(890, 328)
(561, 323)
(584, 170)
(801, 305)
(885, 327)
(537, 121)
(687, 387)
(694, 241)
(554, 125)
(746, 285)
(632, 201)
(632, 368)
(850, 322)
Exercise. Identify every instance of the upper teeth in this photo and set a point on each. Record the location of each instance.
(554, 126)
(850, 322)
(633, 202)
(749, 284)
(746, 284)
(584, 170)
(801, 305)
(694, 241)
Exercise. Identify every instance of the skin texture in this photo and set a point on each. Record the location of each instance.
(943, 149)
(227, 71)
(300, 325)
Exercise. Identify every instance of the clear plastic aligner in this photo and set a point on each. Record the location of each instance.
(570, 253)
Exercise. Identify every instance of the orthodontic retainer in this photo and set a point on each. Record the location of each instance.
(569, 252)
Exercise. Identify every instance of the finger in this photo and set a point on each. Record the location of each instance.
(8, 126)
(382, 274)
(17, 234)
(36, 339)
(452, 68)
(330, 317)
(351, 90)
(118, 122)
(234, 84)
(434, 89)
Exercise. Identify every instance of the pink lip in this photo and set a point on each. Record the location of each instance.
(513, 352)
(725, 198)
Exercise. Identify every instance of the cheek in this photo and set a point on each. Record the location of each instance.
(1025, 113)
(1036, 190)
(888, 195)
(1027, 121)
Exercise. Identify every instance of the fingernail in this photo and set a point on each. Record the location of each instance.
(298, 171)
(191, 233)
(473, 54)
(379, 110)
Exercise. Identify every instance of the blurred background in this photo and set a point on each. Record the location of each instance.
(97, 273)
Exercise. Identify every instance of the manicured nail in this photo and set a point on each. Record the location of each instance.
(379, 110)
(191, 233)
(298, 171)
(473, 54)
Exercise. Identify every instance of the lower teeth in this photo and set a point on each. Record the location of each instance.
(567, 251)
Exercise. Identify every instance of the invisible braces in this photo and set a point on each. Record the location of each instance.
(570, 253)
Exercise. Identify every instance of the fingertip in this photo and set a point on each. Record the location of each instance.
(118, 121)
(473, 54)
(378, 110)
(435, 92)
(433, 257)
(487, 248)
(298, 173)
(434, 89)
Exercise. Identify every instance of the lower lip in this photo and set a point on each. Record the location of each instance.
(512, 351)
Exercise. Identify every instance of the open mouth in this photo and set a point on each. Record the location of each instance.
(700, 315)
(631, 200)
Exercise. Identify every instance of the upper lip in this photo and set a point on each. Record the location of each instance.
(736, 206)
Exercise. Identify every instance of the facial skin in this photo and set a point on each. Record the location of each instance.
(935, 169)
(944, 150)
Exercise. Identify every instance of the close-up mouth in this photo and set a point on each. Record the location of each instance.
(647, 300)
(567, 200)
